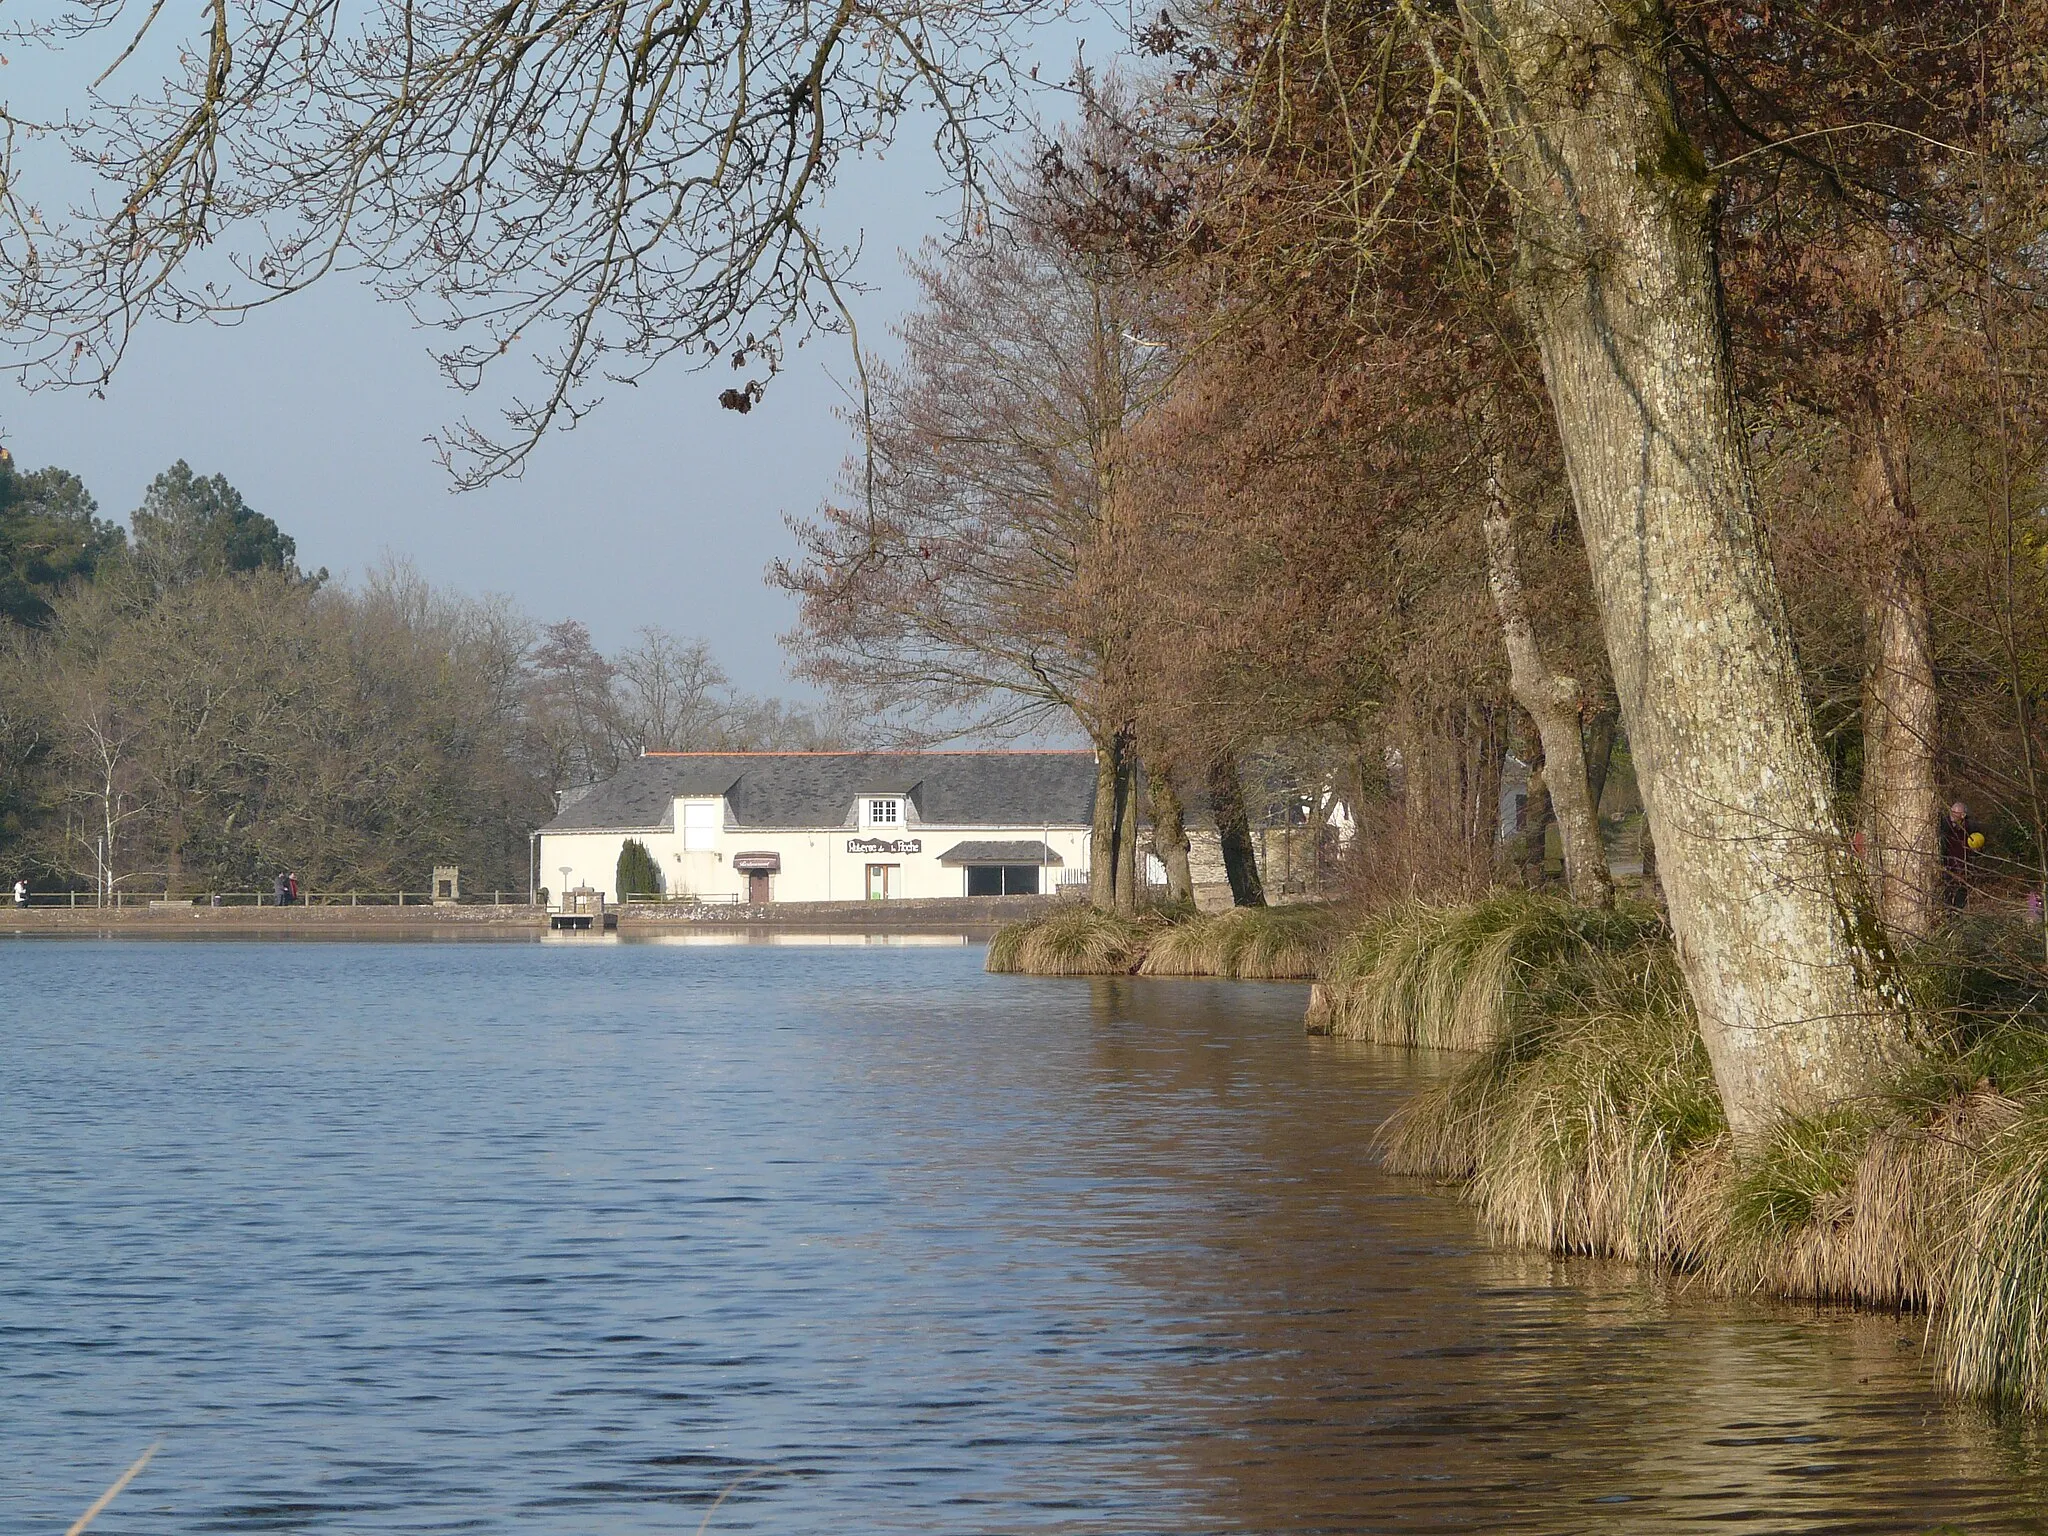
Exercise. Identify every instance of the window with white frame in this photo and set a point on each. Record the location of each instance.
(885, 811)
(700, 825)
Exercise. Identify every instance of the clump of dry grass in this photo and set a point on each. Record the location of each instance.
(1600, 1132)
(1250, 943)
(1868, 1205)
(1991, 1323)
(1004, 947)
(1462, 977)
(1572, 1131)
(1590, 1124)
(1079, 941)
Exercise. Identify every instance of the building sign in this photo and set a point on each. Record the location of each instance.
(885, 845)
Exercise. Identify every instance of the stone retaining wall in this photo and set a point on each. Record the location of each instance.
(953, 912)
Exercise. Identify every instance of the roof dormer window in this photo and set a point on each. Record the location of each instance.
(701, 823)
(884, 811)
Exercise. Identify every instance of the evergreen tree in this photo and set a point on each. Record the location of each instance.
(49, 538)
(192, 525)
(638, 874)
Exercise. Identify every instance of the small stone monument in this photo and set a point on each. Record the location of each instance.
(447, 885)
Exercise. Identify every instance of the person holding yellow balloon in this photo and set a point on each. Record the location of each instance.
(1961, 843)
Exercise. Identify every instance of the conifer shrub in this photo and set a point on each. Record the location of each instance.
(637, 874)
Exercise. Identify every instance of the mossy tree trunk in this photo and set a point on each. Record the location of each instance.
(1901, 707)
(1102, 829)
(1552, 700)
(1618, 278)
(1129, 878)
(1113, 832)
(1234, 832)
(1170, 833)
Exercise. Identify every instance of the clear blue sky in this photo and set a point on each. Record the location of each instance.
(661, 508)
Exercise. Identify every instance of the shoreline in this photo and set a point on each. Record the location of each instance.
(978, 915)
(1585, 1118)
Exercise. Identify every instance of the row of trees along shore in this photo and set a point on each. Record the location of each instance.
(1391, 385)
(186, 710)
(1268, 413)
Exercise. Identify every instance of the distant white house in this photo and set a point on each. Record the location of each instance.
(762, 827)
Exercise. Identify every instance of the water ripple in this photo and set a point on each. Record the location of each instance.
(574, 1238)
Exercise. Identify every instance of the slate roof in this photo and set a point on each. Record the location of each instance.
(783, 790)
(1033, 852)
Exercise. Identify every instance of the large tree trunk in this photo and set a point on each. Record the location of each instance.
(1620, 286)
(1102, 827)
(1234, 831)
(1901, 709)
(1552, 701)
(1129, 887)
(1113, 832)
(1170, 835)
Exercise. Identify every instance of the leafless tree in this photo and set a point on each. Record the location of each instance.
(676, 696)
(591, 188)
(986, 584)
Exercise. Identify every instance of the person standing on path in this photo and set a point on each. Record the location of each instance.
(1961, 842)
(21, 893)
(280, 889)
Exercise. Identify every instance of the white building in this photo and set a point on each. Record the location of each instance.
(760, 827)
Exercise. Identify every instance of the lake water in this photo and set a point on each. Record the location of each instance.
(572, 1237)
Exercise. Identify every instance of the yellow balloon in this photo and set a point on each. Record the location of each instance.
(1976, 839)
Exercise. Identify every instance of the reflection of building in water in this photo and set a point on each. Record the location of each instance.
(760, 827)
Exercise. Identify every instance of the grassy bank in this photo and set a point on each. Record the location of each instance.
(1583, 1119)
(1456, 977)
(1588, 1123)
(1248, 943)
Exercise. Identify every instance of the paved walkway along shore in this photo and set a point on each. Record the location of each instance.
(949, 913)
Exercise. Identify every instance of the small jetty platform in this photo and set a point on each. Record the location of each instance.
(583, 910)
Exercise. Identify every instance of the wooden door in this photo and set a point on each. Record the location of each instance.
(757, 887)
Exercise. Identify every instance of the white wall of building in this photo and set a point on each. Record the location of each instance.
(696, 854)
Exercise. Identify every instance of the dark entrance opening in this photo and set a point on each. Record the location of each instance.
(1002, 879)
(757, 866)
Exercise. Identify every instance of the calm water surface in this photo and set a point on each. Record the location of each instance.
(569, 1237)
